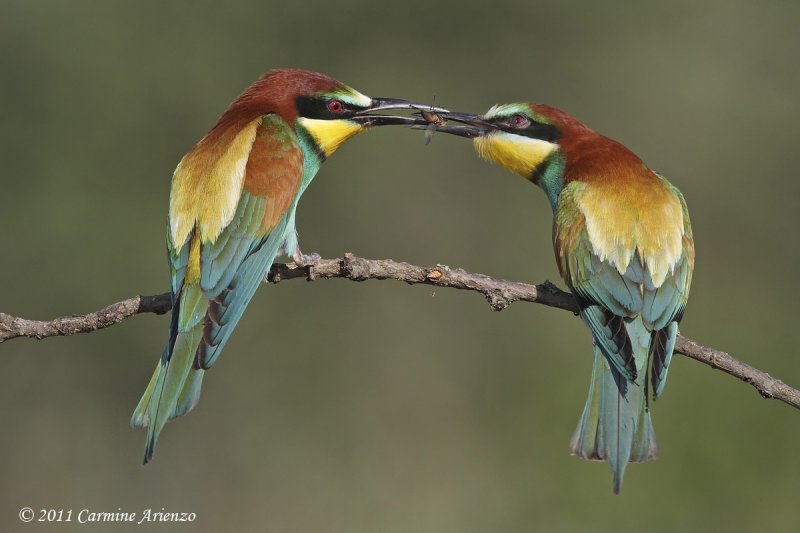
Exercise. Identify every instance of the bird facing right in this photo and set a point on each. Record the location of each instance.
(623, 244)
(232, 211)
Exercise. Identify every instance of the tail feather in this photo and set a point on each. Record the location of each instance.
(172, 376)
(190, 394)
(175, 386)
(199, 330)
(615, 425)
(140, 417)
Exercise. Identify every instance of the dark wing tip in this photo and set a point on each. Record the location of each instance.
(621, 339)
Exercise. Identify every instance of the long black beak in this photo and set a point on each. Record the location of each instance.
(471, 125)
(365, 118)
(470, 132)
(381, 104)
(468, 118)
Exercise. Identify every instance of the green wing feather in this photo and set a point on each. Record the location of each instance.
(606, 299)
(609, 300)
(663, 307)
(207, 312)
(228, 305)
(634, 325)
(207, 308)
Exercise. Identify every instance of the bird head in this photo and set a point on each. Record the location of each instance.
(519, 137)
(322, 110)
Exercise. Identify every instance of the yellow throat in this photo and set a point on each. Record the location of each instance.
(516, 153)
(330, 134)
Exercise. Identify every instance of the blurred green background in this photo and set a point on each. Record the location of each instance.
(344, 407)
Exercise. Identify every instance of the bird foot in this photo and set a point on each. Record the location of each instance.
(308, 261)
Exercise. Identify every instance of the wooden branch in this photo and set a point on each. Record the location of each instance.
(498, 292)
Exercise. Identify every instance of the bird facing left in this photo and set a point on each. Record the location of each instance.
(232, 212)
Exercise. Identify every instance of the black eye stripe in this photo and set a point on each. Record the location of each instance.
(546, 132)
(318, 108)
(536, 130)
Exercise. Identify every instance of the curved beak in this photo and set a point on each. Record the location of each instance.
(365, 118)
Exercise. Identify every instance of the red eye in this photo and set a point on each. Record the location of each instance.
(519, 121)
(335, 106)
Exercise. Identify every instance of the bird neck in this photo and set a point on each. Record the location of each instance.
(536, 160)
(313, 157)
(549, 175)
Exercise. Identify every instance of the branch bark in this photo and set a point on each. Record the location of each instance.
(498, 292)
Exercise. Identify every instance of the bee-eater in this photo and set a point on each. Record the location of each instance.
(232, 211)
(623, 244)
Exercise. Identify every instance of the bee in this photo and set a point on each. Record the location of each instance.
(433, 121)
